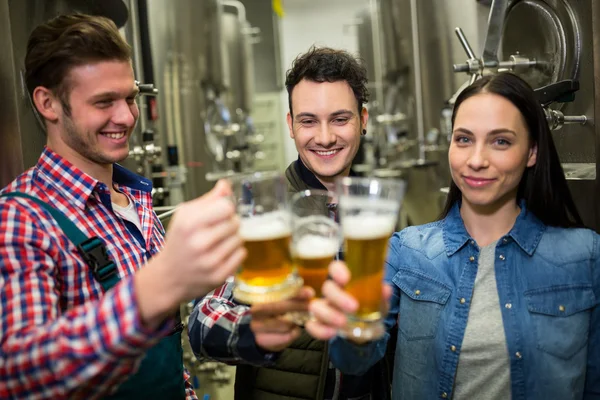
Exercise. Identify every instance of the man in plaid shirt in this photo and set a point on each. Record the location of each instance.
(62, 334)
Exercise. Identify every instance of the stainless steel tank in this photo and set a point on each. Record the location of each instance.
(237, 38)
(544, 41)
(185, 38)
(411, 42)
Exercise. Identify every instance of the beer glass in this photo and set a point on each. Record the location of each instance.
(316, 239)
(368, 211)
(267, 274)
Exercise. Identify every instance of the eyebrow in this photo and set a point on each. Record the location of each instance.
(333, 114)
(492, 132)
(113, 95)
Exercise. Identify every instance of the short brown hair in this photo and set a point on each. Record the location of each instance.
(68, 41)
(324, 64)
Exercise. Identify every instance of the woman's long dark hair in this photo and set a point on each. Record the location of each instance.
(543, 186)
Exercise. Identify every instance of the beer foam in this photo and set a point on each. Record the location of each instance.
(314, 246)
(266, 226)
(364, 203)
(363, 227)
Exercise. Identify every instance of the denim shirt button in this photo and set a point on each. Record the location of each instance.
(453, 348)
(444, 395)
(505, 240)
(472, 242)
(502, 257)
(463, 300)
(561, 308)
(508, 305)
(471, 258)
(417, 292)
(518, 355)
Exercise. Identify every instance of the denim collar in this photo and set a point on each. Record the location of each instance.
(526, 232)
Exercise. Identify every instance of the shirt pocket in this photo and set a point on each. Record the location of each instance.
(421, 304)
(561, 317)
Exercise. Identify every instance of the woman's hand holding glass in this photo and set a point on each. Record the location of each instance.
(329, 313)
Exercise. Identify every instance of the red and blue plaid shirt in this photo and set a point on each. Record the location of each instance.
(61, 336)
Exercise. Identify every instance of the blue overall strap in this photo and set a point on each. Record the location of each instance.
(91, 249)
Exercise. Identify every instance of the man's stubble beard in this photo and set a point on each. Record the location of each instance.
(76, 141)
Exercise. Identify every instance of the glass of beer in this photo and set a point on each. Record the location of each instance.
(368, 211)
(267, 274)
(316, 239)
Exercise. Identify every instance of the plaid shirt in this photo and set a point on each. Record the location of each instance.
(219, 329)
(60, 335)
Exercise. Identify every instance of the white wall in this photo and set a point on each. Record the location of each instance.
(315, 22)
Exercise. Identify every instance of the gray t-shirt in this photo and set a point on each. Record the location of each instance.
(483, 365)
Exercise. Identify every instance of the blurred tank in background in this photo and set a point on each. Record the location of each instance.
(410, 47)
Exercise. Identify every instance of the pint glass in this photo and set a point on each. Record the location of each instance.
(267, 274)
(316, 239)
(368, 211)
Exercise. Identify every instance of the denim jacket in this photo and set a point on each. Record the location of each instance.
(548, 283)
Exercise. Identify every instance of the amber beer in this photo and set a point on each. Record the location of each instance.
(267, 242)
(368, 210)
(366, 246)
(267, 273)
(312, 256)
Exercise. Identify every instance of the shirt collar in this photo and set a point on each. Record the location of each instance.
(75, 185)
(526, 232)
(309, 177)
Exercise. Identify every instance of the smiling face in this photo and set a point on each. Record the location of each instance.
(490, 150)
(102, 116)
(326, 127)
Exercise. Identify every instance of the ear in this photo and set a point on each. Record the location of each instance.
(532, 159)
(46, 103)
(364, 117)
(290, 124)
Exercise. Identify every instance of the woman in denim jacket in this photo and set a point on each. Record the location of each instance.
(499, 298)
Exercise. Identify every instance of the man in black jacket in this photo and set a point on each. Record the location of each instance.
(278, 360)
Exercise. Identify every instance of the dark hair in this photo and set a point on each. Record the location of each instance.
(543, 186)
(324, 64)
(68, 41)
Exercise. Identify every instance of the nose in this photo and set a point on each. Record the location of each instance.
(478, 159)
(125, 114)
(325, 137)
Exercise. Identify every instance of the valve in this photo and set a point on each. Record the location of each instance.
(488, 63)
(146, 89)
(559, 92)
(477, 67)
(557, 119)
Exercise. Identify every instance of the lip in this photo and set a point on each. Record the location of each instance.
(333, 152)
(476, 182)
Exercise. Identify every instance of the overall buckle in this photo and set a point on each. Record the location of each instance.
(96, 256)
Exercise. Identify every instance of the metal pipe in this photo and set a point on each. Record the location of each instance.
(464, 42)
(239, 6)
(177, 115)
(137, 56)
(418, 83)
(377, 51)
(575, 119)
(494, 32)
(168, 213)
